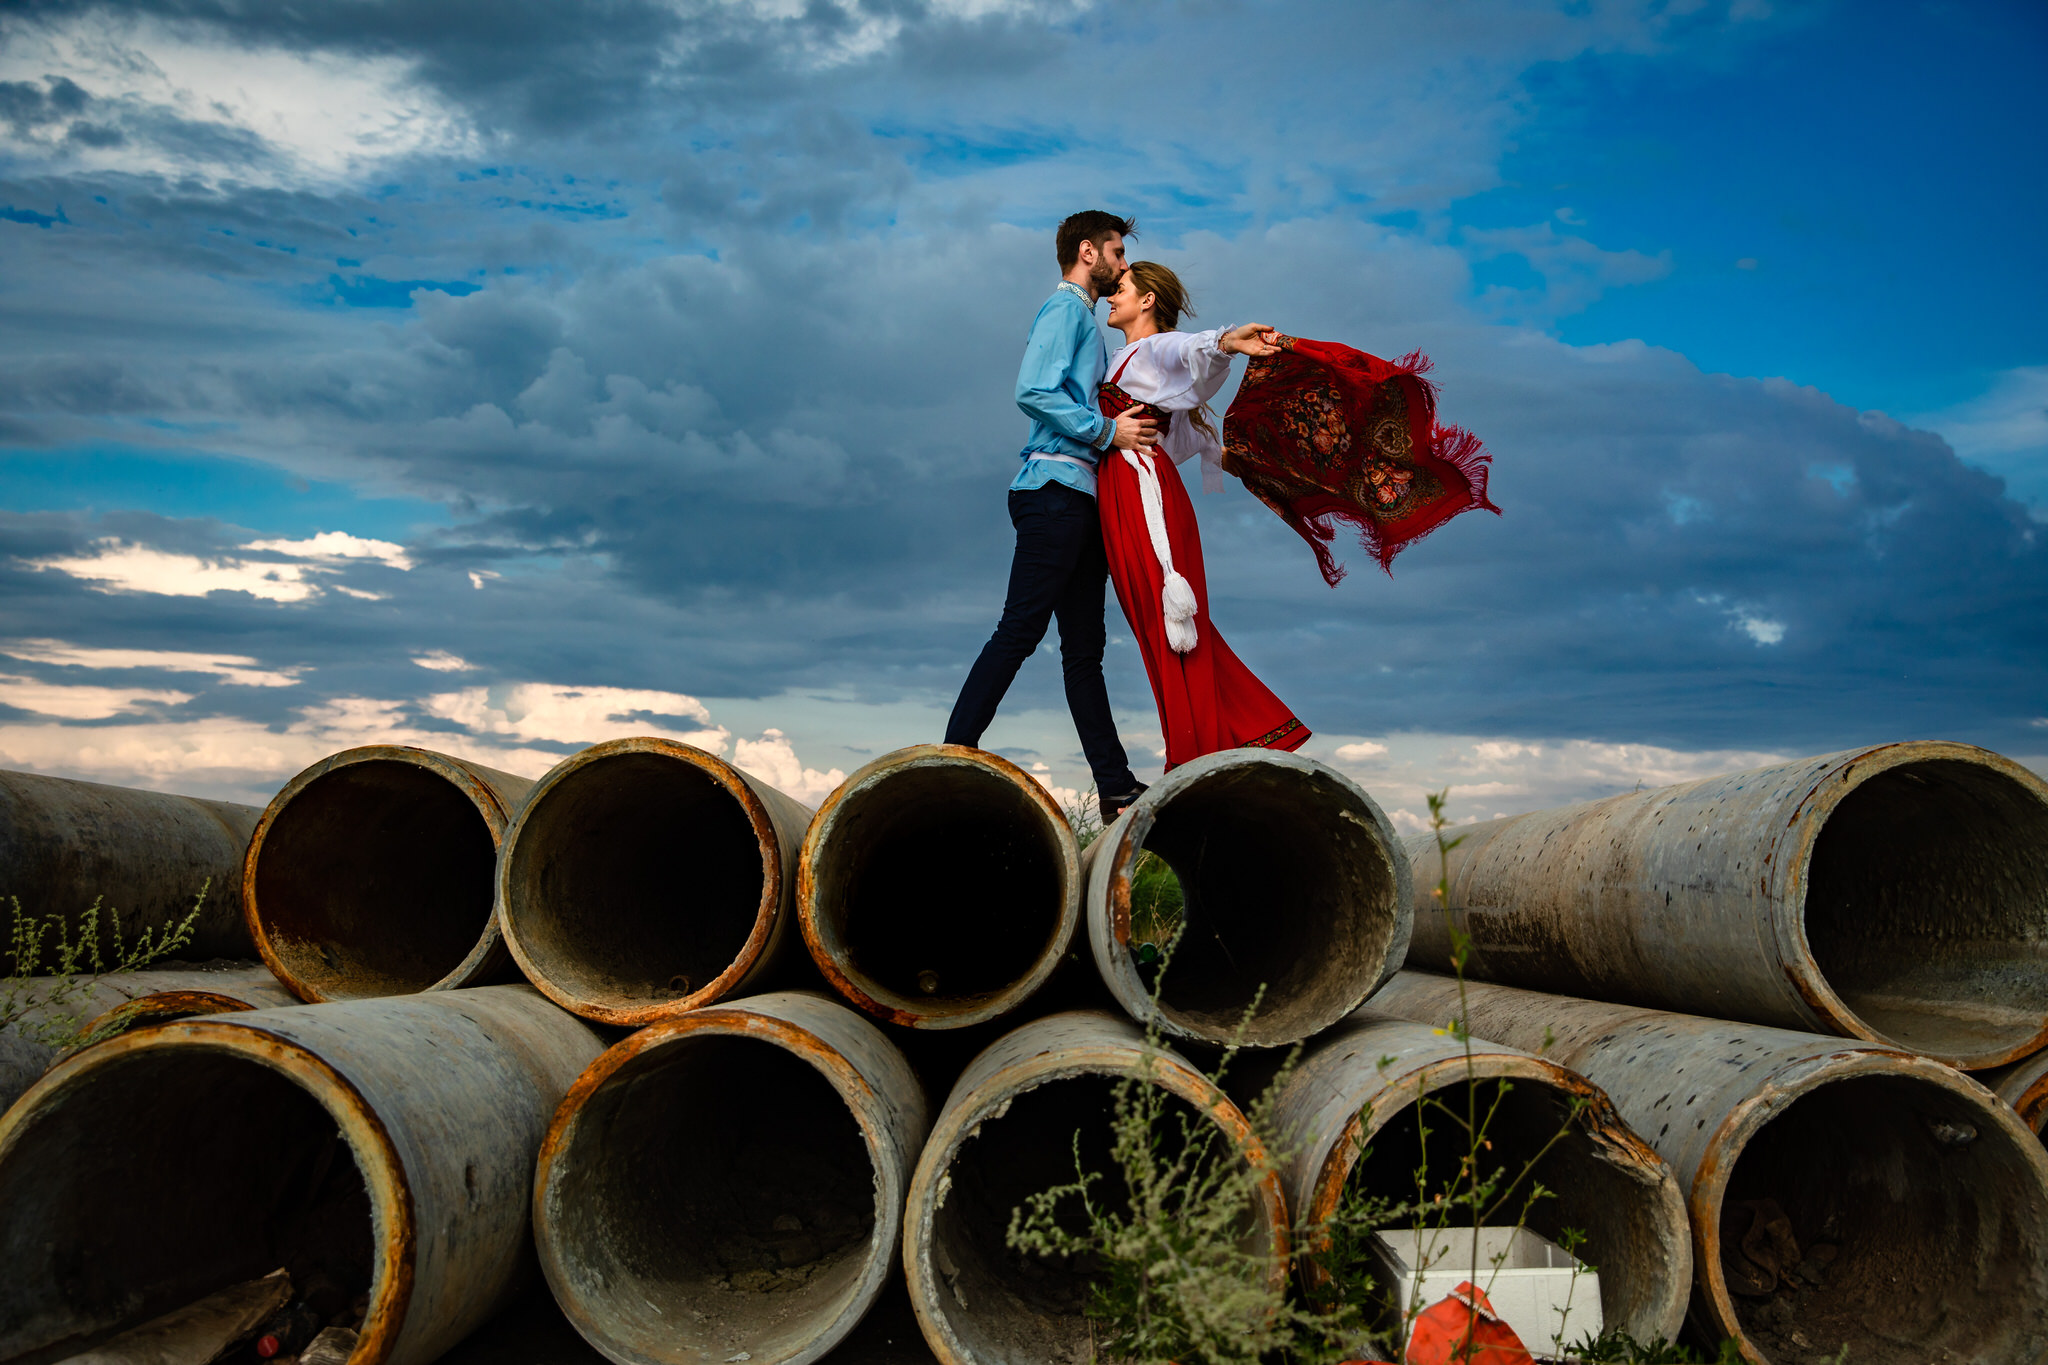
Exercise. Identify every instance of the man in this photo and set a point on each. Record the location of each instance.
(1059, 569)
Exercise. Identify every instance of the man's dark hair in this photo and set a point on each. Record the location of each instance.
(1090, 225)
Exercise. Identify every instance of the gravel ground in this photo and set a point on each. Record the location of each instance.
(536, 1333)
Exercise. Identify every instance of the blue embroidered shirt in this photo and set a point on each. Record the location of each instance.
(1064, 362)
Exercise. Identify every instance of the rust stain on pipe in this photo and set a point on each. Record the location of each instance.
(2024, 1086)
(1933, 1191)
(371, 874)
(92, 1007)
(336, 1137)
(1896, 894)
(1349, 1112)
(191, 994)
(64, 844)
(730, 1181)
(644, 878)
(1291, 878)
(1005, 1132)
(939, 887)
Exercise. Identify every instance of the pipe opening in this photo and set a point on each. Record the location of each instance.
(1615, 1202)
(1927, 908)
(1906, 1227)
(940, 887)
(165, 1176)
(636, 878)
(1004, 1304)
(375, 879)
(715, 1196)
(1284, 882)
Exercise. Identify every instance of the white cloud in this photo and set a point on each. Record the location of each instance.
(524, 729)
(773, 759)
(543, 712)
(81, 703)
(230, 668)
(320, 116)
(1365, 748)
(1493, 776)
(1751, 621)
(1761, 629)
(337, 545)
(441, 661)
(117, 566)
(477, 577)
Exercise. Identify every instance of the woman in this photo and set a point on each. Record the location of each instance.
(1207, 699)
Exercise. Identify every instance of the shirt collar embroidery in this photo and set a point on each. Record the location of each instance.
(1078, 292)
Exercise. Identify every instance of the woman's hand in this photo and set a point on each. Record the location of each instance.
(1254, 338)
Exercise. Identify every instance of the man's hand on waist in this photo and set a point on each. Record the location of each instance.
(1133, 431)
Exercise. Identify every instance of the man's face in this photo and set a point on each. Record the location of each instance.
(1109, 264)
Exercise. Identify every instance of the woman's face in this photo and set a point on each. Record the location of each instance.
(1127, 305)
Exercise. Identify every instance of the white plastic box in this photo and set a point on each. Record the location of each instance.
(1527, 1278)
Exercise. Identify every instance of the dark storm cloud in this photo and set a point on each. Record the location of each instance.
(740, 420)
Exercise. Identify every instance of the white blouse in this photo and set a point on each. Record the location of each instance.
(1178, 372)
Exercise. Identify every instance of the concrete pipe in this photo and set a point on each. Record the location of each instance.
(53, 1015)
(1841, 1193)
(144, 855)
(729, 1185)
(342, 1142)
(939, 887)
(1350, 1116)
(1008, 1131)
(371, 874)
(2024, 1086)
(228, 988)
(1897, 894)
(1291, 879)
(644, 878)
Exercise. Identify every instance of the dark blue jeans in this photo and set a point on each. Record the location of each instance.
(1059, 571)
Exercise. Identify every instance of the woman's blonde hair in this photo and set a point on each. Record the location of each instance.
(1169, 295)
(1169, 302)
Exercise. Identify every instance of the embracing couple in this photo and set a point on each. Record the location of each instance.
(1099, 498)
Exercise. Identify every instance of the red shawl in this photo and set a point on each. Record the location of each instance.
(1320, 432)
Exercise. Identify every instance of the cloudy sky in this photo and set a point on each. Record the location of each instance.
(504, 375)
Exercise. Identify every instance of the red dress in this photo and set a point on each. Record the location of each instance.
(1208, 700)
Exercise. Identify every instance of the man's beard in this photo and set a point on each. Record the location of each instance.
(1104, 276)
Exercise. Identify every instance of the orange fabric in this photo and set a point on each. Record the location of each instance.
(1463, 1330)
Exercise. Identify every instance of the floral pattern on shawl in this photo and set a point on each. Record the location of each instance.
(1321, 433)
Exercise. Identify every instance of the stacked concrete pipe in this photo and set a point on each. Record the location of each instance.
(370, 874)
(729, 1184)
(1897, 894)
(644, 878)
(1349, 1116)
(939, 887)
(1934, 1191)
(1008, 1131)
(55, 1013)
(162, 997)
(142, 855)
(1292, 881)
(2024, 1086)
(387, 1145)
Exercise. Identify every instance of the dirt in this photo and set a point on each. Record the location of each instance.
(534, 1332)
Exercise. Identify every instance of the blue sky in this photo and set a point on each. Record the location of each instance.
(506, 377)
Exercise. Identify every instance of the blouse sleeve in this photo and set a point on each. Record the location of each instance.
(1189, 367)
(1208, 363)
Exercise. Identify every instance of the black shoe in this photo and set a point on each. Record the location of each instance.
(1113, 806)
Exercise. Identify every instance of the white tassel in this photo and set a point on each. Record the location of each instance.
(1177, 599)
